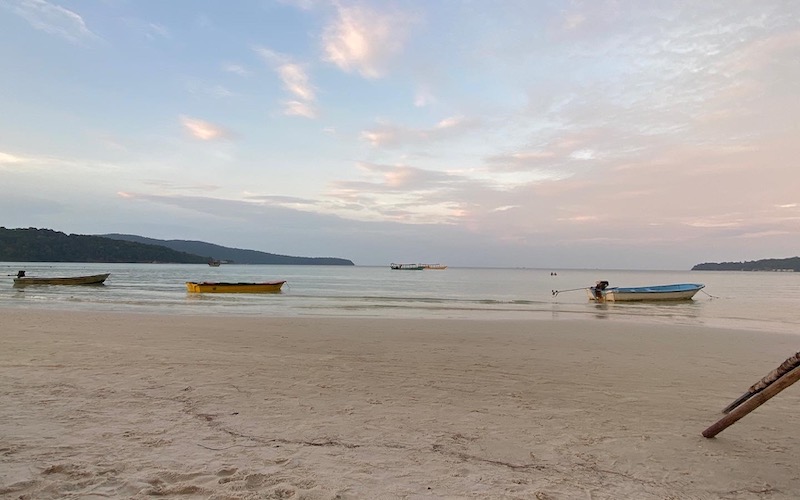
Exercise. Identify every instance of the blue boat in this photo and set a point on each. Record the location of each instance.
(601, 292)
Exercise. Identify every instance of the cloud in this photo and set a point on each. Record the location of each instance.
(43, 162)
(505, 208)
(291, 202)
(521, 160)
(9, 159)
(54, 19)
(280, 199)
(388, 135)
(405, 177)
(757, 54)
(203, 130)
(200, 88)
(301, 4)
(298, 108)
(364, 40)
(235, 69)
(574, 21)
(153, 31)
(295, 79)
(423, 98)
(592, 179)
(763, 234)
(169, 186)
(586, 19)
(402, 193)
(146, 29)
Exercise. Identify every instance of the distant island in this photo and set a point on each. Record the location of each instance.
(791, 264)
(233, 255)
(47, 245)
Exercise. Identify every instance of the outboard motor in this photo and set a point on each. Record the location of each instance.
(598, 289)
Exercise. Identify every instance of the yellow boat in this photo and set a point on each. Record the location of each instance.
(220, 287)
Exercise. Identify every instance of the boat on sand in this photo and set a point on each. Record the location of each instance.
(95, 279)
(222, 287)
(601, 292)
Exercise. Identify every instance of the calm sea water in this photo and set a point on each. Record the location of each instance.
(746, 300)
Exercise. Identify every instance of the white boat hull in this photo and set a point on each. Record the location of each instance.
(636, 294)
(612, 296)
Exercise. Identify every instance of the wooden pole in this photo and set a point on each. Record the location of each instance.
(754, 402)
(785, 367)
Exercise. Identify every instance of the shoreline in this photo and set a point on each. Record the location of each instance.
(99, 404)
(637, 319)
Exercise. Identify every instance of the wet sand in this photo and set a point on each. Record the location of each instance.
(104, 405)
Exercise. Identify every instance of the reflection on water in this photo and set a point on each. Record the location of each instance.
(682, 311)
(602, 311)
(766, 301)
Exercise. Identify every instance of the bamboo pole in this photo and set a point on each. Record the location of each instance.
(785, 367)
(754, 402)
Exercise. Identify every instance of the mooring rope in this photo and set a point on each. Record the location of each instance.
(556, 292)
(712, 296)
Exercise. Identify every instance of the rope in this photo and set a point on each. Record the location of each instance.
(712, 296)
(556, 292)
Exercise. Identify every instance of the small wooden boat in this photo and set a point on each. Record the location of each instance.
(95, 279)
(434, 266)
(680, 291)
(221, 287)
(407, 267)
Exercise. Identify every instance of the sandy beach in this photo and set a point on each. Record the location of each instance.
(104, 405)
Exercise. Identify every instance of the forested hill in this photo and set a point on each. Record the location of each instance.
(789, 264)
(46, 245)
(233, 255)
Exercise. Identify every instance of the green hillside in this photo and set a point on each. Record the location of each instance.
(789, 264)
(234, 255)
(46, 245)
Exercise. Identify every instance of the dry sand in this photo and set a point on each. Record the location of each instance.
(99, 405)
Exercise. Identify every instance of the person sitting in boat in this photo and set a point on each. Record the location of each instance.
(20, 274)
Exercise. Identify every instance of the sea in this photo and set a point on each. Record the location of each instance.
(760, 301)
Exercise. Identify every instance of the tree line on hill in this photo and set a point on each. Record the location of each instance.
(788, 264)
(234, 255)
(47, 245)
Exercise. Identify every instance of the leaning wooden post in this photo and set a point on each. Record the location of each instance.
(754, 402)
(785, 367)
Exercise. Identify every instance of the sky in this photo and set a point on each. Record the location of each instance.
(509, 133)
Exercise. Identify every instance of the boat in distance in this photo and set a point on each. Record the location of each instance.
(601, 292)
(407, 267)
(417, 267)
(95, 279)
(222, 287)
